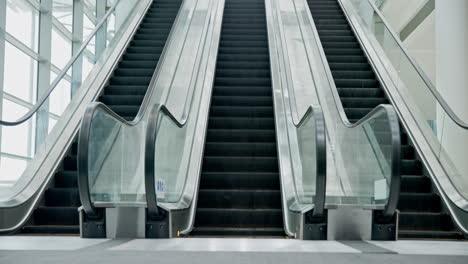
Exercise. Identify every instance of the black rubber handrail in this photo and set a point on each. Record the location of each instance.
(150, 155)
(62, 73)
(321, 158)
(455, 118)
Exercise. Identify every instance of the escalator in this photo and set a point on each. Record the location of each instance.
(422, 214)
(58, 214)
(239, 187)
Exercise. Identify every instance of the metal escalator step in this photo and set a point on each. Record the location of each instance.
(242, 111)
(241, 123)
(62, 197)
(430, 234)
(419, 202)
(66, 179)
(240, 164)
(248, 149)
(425, 221)
(240, 135)
(228, 217)
(241, 91)
(66, 215)
(51, 229)
(239, 198)
(240, 180)
(112, 100)
(239, 231)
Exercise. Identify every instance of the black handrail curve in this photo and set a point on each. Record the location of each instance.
(62, 73)
(150, 155)
(321, 157)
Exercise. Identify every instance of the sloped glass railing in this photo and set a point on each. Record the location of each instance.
(442, 128)
(40, 126)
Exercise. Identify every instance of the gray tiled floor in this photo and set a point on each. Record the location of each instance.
(70, 250)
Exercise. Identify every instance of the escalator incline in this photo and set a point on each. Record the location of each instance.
(421, 211)
(239, 187)
(57, 213)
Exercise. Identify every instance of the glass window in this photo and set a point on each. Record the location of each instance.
(60, 97)
(62, 10)
(52, 123)
(22, 21)
(18, 139)
(88, 26)
(20, 78)
(11, 170)
(61, 49)
(91, 5)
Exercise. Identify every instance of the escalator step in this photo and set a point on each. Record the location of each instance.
(66, 215)
(241, 90)
(239, 231)
(242, 111)
(240, 135)
(235, 198)
(419, 202)
(51, 229)
(241, 123)
(228, 217)
(429, 234)
(253, 101)
(66, 179)
(240, 180)
(62, 197)
(240, 164)
(415, 184)
(425, 221)
(240, 149)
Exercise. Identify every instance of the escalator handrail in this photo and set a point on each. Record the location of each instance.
(321, 157)
(62, 73)
(150, 155)
(430, 85)
(394, 125)
(83, 149)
